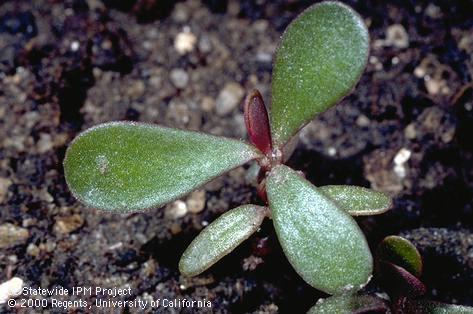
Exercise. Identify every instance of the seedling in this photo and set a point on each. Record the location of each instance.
(125, 167)
(399, 269)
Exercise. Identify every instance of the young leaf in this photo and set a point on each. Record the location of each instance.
(431, 307)
(358, 304)
(356, 200)
(126, 166)
(257, 123)
(400, 252)
(400, 282)
(322, 242)
(220, 238)
(321, 57)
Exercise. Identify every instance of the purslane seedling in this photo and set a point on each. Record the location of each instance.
(398, 270)
(125, 167)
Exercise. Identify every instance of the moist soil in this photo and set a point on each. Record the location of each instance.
(68, 65)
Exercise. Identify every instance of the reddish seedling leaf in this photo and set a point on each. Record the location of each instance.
(400, 282)
(257, 122)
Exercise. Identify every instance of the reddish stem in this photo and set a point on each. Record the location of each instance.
(257, 122)
(261, 190)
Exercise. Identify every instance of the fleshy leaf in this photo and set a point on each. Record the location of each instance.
(357, 200)
(257, 123)
(220, 238)
(399, 282)
(400, 252)
(321, 57)
(350, 304)
(431, 307)
(127, 166)
(322, 242)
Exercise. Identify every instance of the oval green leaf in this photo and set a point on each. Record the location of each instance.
(357, 200)
(348, 304)
(401, 252)
(322, 242)
(220, 238)
(431, 307)
(127, 166)
(321, 57)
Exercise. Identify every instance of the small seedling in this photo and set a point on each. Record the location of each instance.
(125, 167)
(398, 269)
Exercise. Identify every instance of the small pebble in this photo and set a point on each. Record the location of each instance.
(400, 159)
(137, 89)
(433, 11)
(179, 78)
(238, 125)
(396, 36)
(66, 225)
(45, 196)
(176, 210)
(155, 81)
(10, 289)
(264, 57)
(4, 185)
(45, 143)
(437, 86)
(377, 64)
(48, 247)
(31, 118)
(363, 121)
(402, 156)
(185, 42)
(332, 151)
(205, 45)
(75, 46)
(250, 263)
(196, 201)
(419, 72)
(229, 98)
(207, 103)
(32, 250)
(410, 131)
(378, 169)
(115, 246)
(11, 235)
(16, 142)
(180, 14)
(175, 228)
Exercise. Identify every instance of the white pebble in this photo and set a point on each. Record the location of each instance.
(229, 98)
(75, 45)
(10, 289)
(332, 151)
(400, 159)
(176, 210)
(185, 42)
(397, 36)
(179, 78)
(402, 156)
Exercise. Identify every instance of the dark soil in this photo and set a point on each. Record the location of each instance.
(68, 65)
